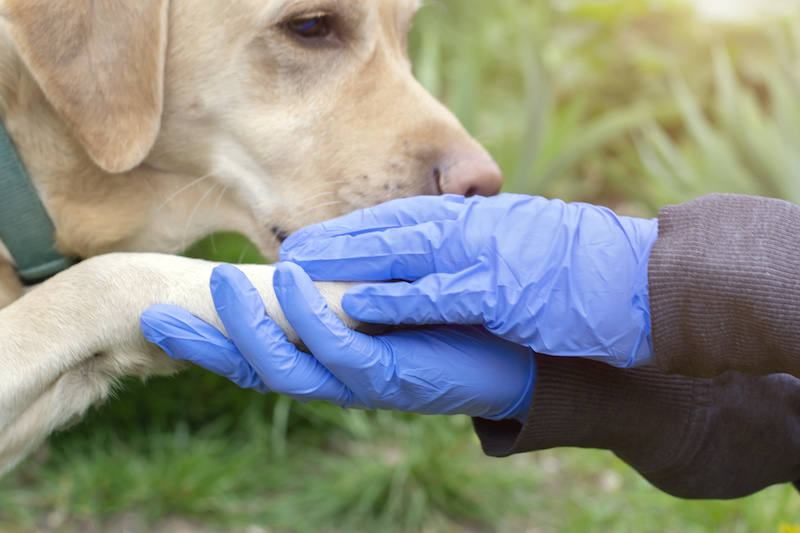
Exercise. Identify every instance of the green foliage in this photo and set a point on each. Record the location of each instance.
(744, 141)
(578, 99)
(630, 103)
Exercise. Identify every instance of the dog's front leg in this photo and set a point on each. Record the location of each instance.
(63, 345)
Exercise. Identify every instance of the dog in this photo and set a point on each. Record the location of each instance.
(147, 125)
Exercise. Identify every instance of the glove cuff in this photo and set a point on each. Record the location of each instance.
(639, 304)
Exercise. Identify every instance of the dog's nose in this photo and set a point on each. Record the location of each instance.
(469, 175)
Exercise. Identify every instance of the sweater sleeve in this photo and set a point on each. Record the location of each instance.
(724, 284)
(719, 438)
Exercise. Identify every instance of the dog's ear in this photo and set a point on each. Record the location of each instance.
(100, 63)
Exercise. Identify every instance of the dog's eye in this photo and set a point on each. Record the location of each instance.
(315, 27)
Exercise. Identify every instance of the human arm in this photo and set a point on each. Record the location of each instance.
(722, 292)
(693, 438)
(718, 438)
(724, 288)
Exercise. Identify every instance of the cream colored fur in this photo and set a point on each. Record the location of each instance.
(148, 124)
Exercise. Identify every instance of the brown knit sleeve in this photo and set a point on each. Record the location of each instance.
(724, 282)
(694, 438)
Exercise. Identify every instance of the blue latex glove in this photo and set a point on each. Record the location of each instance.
(563, 279)
(435, 370)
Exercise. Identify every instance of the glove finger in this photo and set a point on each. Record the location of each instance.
(395, 253)
(185, 337)
(397, 213)
(357, 360)
(284, 368)
(458, 298)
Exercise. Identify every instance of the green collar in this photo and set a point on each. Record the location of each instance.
(25, 228)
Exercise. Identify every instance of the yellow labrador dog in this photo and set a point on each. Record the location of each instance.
(144, 125)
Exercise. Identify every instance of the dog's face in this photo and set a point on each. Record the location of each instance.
(267, 115)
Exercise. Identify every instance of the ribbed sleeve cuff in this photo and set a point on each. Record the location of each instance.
(587, 404)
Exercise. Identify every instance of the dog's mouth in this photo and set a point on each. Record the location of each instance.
(279, 233)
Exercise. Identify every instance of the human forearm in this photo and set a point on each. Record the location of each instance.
(693, 438)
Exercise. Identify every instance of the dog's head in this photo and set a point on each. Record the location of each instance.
(266, 114)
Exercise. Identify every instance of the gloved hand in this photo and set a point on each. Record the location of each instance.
(435, 370)
(563, 279)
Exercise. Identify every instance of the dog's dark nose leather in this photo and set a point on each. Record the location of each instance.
(469, 174)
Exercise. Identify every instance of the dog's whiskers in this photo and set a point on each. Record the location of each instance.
(299, 214)
(214, 215)
(194, 211)
(244, 251)
(179, 191)
(331, 190)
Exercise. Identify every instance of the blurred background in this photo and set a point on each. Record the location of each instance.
(628, 103)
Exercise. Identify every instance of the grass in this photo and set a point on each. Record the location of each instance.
(244, 459)
(623, 102)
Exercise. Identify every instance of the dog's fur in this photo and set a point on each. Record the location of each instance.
(148, 124)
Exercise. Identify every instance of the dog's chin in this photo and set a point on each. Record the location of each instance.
(267, 244)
